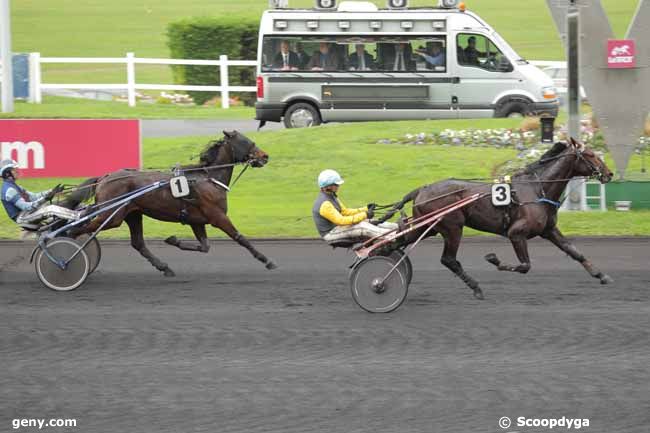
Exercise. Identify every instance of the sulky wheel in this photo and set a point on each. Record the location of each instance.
(50, 274)
(406, 268)
(368, 290)
(93, 250)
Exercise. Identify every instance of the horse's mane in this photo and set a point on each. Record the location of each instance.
(531, 168)
(209, 155)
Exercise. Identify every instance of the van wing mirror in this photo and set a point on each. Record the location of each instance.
(505, 65)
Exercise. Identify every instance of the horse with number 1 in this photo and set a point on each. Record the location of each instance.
(195, 195)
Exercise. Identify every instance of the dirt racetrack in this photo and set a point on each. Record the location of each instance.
(227, 346)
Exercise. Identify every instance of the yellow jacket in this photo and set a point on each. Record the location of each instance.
(345, 217)
(328, 212)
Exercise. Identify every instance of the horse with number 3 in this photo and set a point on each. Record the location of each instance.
(520, 210)
(197, 196)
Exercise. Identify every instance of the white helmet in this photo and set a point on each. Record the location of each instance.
(329, 177)
(7, 164)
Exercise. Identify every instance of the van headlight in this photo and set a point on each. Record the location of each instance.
(549, 92)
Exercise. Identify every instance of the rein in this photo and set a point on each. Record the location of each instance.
(208, 167)
(68, 189)
(240, 174)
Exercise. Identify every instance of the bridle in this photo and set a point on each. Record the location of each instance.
(239, 159)
(596, 172)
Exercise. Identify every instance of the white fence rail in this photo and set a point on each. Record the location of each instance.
(131, 85)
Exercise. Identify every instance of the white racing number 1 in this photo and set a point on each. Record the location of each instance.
(179, 186)
(501, 194)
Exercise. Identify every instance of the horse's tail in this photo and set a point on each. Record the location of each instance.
(81, 193)
(399, 205)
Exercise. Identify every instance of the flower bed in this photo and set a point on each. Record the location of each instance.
(526, 142)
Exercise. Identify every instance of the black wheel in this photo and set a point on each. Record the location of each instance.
(514, 109)
(55, 278)
(405, 267)
(93, 250)
(370, 292)
(301, 115)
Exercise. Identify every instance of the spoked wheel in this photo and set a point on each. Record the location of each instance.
(93, 250)
(370, 292)
(69, 278)
(405, 267)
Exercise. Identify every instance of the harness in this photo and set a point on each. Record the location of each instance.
(557, 204)
(183, 216)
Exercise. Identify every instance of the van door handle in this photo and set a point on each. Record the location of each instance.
(455, 80)
(454, 100)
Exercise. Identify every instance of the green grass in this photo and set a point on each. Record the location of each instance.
(99, 28)
(275, 201)
(61, 107)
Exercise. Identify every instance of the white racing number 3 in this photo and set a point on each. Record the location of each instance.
(179, 186)
(501, 194)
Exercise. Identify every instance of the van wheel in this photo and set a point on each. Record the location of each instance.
(514, 109)
(301, 115)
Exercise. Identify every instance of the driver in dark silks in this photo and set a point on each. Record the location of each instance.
(26, 207)
(339, 224)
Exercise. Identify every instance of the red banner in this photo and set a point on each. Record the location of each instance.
(71, 148)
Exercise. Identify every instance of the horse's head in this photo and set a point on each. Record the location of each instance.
(589, 163)
(245, 150)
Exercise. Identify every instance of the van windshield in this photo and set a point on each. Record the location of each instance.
(477, 51)
(355, 53)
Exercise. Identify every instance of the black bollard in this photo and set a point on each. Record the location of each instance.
(547, 128)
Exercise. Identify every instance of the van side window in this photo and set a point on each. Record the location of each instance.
(359, 54)
(476, 50)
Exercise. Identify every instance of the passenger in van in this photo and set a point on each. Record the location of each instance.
(397, 57)
(303, 57)
(434, 55)
(470, 52)
(286, 59)
(361, 60)
(324, 60)
(341, 55)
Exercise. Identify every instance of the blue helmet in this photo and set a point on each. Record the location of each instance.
(329, 177)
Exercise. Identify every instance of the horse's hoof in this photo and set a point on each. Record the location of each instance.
(606, 279)
(492, 258)
(172, 241)
(270, 265)
(169, 273)
(478, 294)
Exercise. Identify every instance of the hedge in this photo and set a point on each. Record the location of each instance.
(208, 38)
